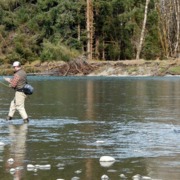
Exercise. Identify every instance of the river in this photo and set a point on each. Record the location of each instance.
(74, 121)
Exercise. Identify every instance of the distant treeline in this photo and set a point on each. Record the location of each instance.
(106, 29)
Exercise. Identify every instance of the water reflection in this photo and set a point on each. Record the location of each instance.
(89, 100)
(75, 121)
(164, 167)
(89, 115)
(17, 150)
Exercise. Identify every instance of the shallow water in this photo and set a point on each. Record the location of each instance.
(76, 120)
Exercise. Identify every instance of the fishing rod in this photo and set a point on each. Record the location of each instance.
(4, 84)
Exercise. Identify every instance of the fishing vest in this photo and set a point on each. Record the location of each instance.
(23, 79)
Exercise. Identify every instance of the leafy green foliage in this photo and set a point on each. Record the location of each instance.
(57, 52)
(56, 29)
(174, 70)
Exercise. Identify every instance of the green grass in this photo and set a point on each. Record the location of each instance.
(174, 70)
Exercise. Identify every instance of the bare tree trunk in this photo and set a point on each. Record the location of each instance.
(177, 12)
(143, 30)
(90, 31)
(97, 48)
(169, 26)
(103, 52)
(79, 32)
(162, 27)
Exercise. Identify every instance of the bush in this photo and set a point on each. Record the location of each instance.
(174, 70)
(57, 52)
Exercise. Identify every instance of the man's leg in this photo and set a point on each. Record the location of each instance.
(20, 100)
(12, 109)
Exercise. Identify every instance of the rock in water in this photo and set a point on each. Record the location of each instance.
(107, 159)
(10, 161)
(104, 177)
(2, 144)
(146, 178)
(30, 167)
(12, 170)
(45, 167)
(122, 176)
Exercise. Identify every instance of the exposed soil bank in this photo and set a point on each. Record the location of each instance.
(101, 68)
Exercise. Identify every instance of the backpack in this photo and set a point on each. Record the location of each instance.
(28, 89)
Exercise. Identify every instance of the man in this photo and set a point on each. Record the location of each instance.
(17, 83)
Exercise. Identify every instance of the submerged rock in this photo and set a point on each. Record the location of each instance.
(19, 168)
(60, 166)
(2, 144)
(78, 171)
(107, 164)
(139, 177)
(122, 176)
(107, 159)
(112, 170)
(31, 167)
(104, 177)
(12, 170)
(136, 177)
(45, 167)
(176, 130)
(146, 178)
(75, 178)
(10, 160)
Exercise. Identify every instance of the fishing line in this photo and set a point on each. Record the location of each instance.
(4, 84)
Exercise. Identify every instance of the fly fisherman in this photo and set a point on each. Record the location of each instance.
(17, 82)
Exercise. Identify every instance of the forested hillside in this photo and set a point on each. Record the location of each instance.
(104, 29)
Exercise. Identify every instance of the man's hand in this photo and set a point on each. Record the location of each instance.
(7, 79)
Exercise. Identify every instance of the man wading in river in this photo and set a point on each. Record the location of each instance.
(17, 83)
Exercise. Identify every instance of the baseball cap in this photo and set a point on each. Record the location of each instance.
(16, 63)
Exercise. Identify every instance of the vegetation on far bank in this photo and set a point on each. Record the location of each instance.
(57, 30)
(100, 68)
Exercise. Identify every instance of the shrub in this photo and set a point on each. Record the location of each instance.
(57, 52)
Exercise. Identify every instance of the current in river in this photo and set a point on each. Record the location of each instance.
(74, 121)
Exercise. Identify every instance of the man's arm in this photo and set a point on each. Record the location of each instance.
(13, 82)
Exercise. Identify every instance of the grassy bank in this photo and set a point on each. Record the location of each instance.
(100, 68)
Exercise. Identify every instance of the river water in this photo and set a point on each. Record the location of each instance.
(74, 121)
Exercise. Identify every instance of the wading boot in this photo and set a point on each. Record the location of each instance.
(26, 120)
(8, 118)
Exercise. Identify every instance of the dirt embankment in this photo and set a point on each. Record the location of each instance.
(102, 68)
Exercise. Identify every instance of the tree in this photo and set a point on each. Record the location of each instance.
(143, 30)
(90, 30)
(110, 30)
(169, 26)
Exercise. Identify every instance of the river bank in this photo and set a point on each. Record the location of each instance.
(101, 68)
